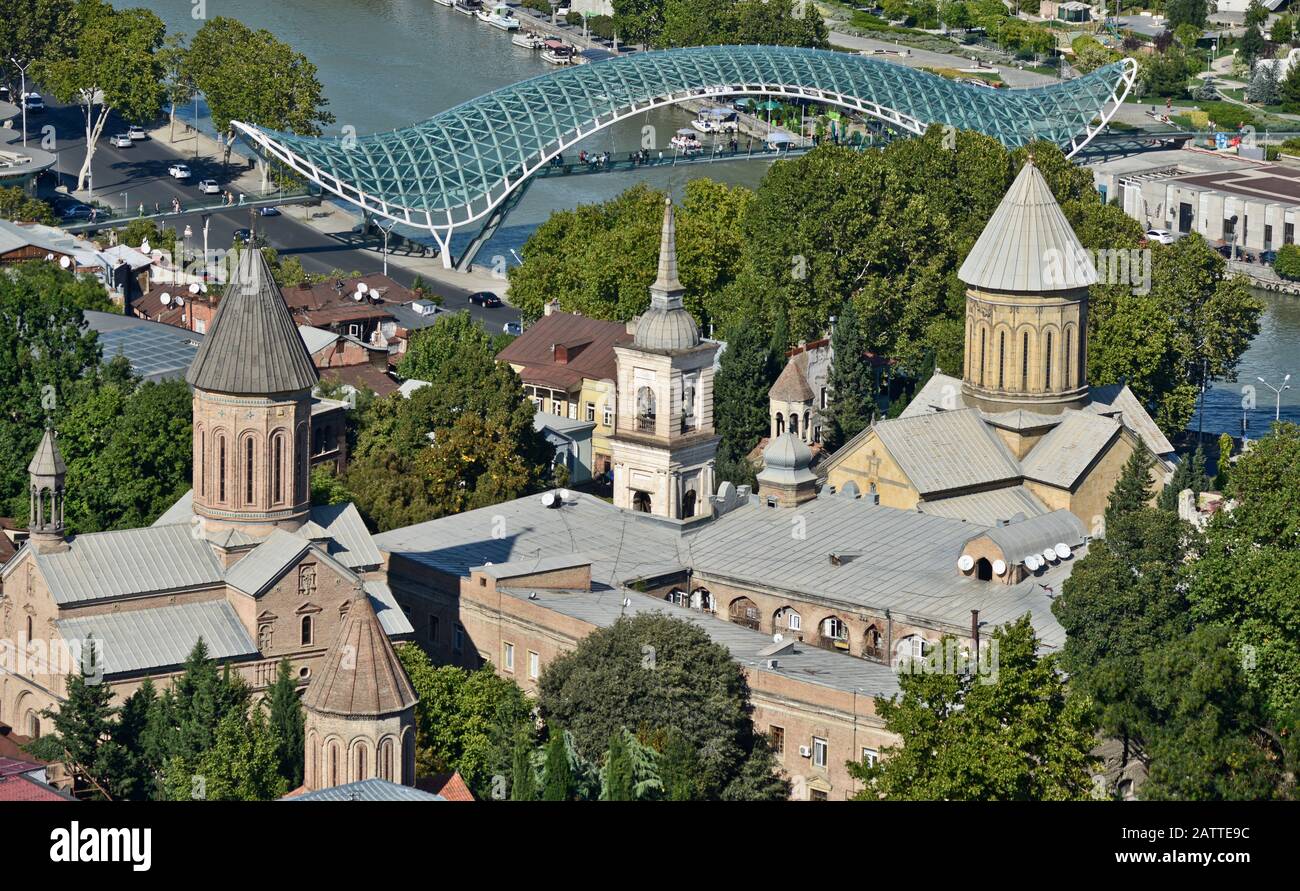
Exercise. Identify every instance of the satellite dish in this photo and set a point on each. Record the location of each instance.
(166, 299)
(1062, 550)
(999, 567)
(358, 296)
(144, 246)
(1050, 555)
(194, 288)
(1034, 562)
(180, 301)
(627, 601)
(564, 494)
(965, 562)
(65, 262)
(548, 499)
(361, 288)
(49, 256)
(778, 637)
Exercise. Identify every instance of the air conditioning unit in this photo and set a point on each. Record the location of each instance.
(805, 752)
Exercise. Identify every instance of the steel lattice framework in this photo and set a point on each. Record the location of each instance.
(457, 167)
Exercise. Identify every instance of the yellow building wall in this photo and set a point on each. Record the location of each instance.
(870, 462)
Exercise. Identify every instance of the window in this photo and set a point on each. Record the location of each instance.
(386, 760)
(817, 433)
(1069, 371)
(433, 628)
(870, 756)
(835, 628)
(458, 640)
(534, 665)
(819, 752)
(277, 469)
(983, 338)
(794, 423)
(816, 795)
(221, 468)
(822, 397)
(1288, 233)
(248, 470)
(591, 411)
(508, 656)
(203, 463)
(1002, 358)
(306, 631)
(776, 738)
(361, 762)
(608, 416)
(1024, 362)
(1047, 364)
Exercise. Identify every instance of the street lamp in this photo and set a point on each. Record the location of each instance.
(22, 99)
(1277, 391)
(385, 232)
(185, 248)
(126, 208)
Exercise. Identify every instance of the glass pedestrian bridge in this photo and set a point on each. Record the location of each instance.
(467, 165)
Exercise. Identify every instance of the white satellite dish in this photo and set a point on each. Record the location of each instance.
(65, 262)
(361, 288)
(778, 637)
(180, 301)
(194, 288)
(144, 246)
(999, 567)
(564, 494)
(965, 562)
(1062, 550)
(1033, 562)
(358, 296)
(548, 499)
(166, 299)
(1050, 555)
(49, 256)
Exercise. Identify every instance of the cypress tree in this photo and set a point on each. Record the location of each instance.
(852, 400)
(287, 722)
(1189, 474)
(82, 725)
(1133, 490)
(134, 750)
(746, 373)
(678, 768)
(619, 781)
(523, 779)
(1224, 462)
(558, 782)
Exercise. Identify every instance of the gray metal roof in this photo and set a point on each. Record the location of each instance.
(516, 568)
(1031, 536)
(265, 563)
(161, 637)
(100, 565)
(253, 346)
(395, 622)
(986, 507)
(351, 543)
(1061, 457)
(941, 451)
(1028, 245)
(47, 461)
(366, 790)
(157, 352)
(1117, 400)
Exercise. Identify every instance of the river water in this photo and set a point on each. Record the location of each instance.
(385, 64)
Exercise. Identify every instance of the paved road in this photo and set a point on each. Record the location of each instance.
(141, 173)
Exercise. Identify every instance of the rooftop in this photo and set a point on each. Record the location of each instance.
(561, 349)
(156, 351)
(366, 790)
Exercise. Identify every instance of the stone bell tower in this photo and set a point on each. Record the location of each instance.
(46, 473)
(1027, 281)
(252, 381)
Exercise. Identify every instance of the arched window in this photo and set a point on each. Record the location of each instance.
(386, 760)
(807, 424)
(641, 502)
(743, 611)
(277, 468)
(1024, 362)
(645, 409)
(983, 338)
(203, 461)
(835, 629)
(702, 599)
(33, 725)
(789, 619)
(1069, 371)
(29, 630)
(794, 423)
(872, 645)
(306, 631)
(334, 764)
(688, 504)
(1047, 362)
(221, 468)
(300, 478)
(248, 470)
(1002, 359)
(780, 425)
(361, 762)
(408, 758)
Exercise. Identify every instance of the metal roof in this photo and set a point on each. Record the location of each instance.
(101, 565)
(161, 637)
(157, 352)
(352, 545)
(391, 616)
(986, 507)
(1032, 535)
(366, 790)
(47, 461)
(265, 563)
(1061, 457)
(457, 166)
(1027, 245)
(1117, 400)
(253, 346)
(941, 451)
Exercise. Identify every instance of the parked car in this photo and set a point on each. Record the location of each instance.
(77, 212)
(268, 211)
(513, 328)
(209, 187)
(485, 299)
(179, 171)
(5, 95)
(34, 102)
(136, 132)
(246, 236)
(1269, 257)
(121, 140)
(1163, 236)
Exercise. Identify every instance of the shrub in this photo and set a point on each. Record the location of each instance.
(1287, 263)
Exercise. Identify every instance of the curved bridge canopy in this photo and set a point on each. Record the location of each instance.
(459, 165)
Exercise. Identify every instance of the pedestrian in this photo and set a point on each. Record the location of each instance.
(241, 198)
(141, 208)
(156, 208)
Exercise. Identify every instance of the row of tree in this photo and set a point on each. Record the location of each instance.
(671, 23)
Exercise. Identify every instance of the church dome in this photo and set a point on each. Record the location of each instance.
(787, 453)
(670, 329)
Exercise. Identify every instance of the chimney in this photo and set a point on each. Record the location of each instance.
(975, 632)
(552, 307)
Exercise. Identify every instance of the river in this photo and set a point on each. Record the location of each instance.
(385, 64)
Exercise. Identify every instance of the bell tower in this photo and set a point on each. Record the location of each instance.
(664, 445)
(1027, 281)
(252, 381)
(46, 473)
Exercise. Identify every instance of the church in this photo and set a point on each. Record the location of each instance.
(1021, 433)
(243, 561)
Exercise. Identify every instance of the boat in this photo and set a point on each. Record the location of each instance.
(468, 7)
(446, 2)
(528, 40)
(500, 16)
(557, 52)
(716, 120)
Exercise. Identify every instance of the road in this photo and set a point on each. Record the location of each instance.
(129, 177)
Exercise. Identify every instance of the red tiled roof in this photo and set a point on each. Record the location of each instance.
(24, 788)
(589, 344)
(358, 376)
(450, 786)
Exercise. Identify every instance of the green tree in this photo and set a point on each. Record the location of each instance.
(1264, 88)
(111, 66)
(34, 31)
(634, 674)
(523, 775)
(17, 205)
(480, 461)
(955, 744)
(326, 488)
(851, 381)
(557, 775)
(436, 349)
(1223, 463)
(746, 373)
(638, 21)
(1290, 90)
(1189, 474)
(1185, 12)
(1256, 14)
(241, 765)
(1281, 30)
(287, 721)
(178, 84)
(82, 726)
(617, 772)
(1132, 490)
(679, 768)
(1252, 44)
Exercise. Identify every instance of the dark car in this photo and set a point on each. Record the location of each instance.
(246, 236)
(1269, 257)
(77, 212)
(485, 299)
(268, 211)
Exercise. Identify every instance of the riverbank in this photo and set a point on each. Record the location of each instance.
(1262, 276)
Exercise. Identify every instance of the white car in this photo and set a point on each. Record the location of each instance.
(209, 187)
(136, 132)
(179, 171)
(34, 102)
(121, 140)
(1162, 236)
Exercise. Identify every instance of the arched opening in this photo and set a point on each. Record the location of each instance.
(362, 767)
(306, 631)
(645, 409)
(794, 424)
(873, 645)
(408, 758)
(688, 504)
(201, 437)
(333, 759)
(1069, 370)
(249, 464)
(702, 599)
(33, 725)
(277, 468)
(744, 611)
(221, 468)
(788, 619)
(28, 641)
(1024, 362)
(386, 759)
(984, 333)
(983, 569)
(834, 633)
(807, 423)
(641, 502)
(911, 647)
(1047, 361)
(780, 425)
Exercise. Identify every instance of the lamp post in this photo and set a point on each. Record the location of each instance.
(126, 207)
(1277, 392)
(22, 99)
(384, 232)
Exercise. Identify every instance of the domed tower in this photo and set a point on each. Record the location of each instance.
(45, 513)
(1027, 281)
(663, 445)
(360, 708)
(786, 474)
(252, 381)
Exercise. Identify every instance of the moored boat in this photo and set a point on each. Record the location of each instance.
(528, 40)
(557, 52)
(500, 16)
(468, 7)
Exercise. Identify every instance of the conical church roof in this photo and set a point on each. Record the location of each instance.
(253, 346)
(361, 674)
(667, 325)
(47, 461)
(1028, 244)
